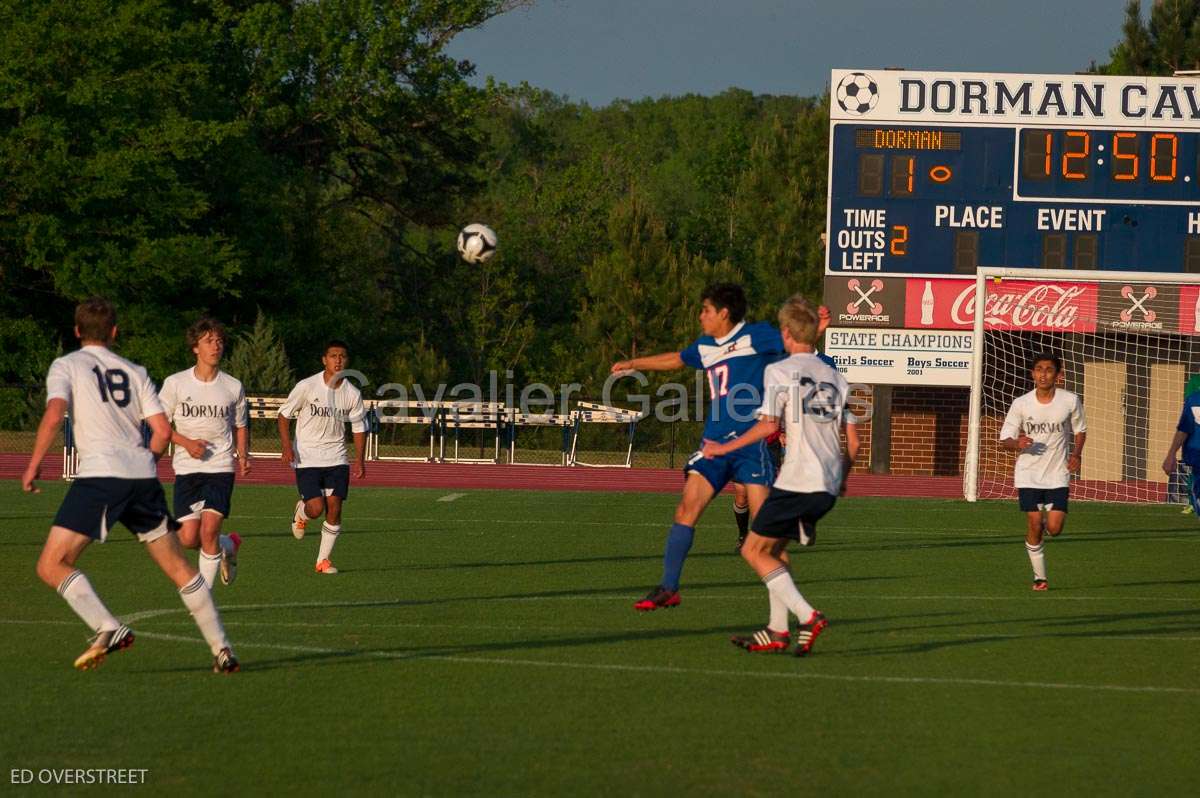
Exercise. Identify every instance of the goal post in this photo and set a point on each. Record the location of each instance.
(1128, 341)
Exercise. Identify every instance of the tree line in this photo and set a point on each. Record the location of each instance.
(301, 170)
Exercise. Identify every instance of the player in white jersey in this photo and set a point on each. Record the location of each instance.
(322, 405)
(108, 398)
(208, 409)
(1040, 426)
(808, 396)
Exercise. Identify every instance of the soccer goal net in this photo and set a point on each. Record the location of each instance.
(1128, 341)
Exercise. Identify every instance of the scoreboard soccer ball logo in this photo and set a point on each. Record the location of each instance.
(857, 93)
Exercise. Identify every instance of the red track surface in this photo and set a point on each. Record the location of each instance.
(521, 477)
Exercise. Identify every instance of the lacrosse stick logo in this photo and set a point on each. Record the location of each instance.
(1138, 303)
(854, 285)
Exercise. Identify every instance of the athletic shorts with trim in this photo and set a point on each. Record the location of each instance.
(1031, 500)
(785, 512)
(314, 483)
(198, 493)
(750, 465)
(94, 504)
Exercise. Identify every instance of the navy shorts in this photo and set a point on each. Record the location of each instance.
(750, 465)
(199, 493)
(315, 483)
(94, 504)
(1034, 499)
(792, 515)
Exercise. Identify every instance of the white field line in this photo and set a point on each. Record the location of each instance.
(659, 669)
(542, 627)
(449, 497)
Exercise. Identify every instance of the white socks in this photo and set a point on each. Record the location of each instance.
(197, 598)
(209, 564)
(329, 536)
(782, 588)
(78, 592)
(1037, 559)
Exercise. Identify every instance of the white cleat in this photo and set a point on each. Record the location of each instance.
(299, 521)
(229, 559)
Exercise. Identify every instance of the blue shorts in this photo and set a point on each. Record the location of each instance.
(315, 483)
(94, 504)
(1031, 500)
(750, 465)
(203, 493)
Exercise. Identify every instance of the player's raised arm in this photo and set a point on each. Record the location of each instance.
(666, 361)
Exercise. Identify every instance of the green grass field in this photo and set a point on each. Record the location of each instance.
(487, 645)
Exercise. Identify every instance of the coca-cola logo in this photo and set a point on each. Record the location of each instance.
(1048, 306)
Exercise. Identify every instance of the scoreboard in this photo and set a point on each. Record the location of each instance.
(939, 173)
(935, 174)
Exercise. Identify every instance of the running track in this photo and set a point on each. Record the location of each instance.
(520, 477)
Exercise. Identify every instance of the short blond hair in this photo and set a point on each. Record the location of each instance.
(799, 318)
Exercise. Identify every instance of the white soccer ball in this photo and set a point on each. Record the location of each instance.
(857, 93)
(476, 243)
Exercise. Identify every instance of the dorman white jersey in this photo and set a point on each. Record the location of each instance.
(809, 397)
(107, 397)
(321, 414)
(209, 411)
(1052, 426)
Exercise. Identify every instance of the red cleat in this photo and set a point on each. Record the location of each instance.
(764, 641)
(658, 597)
(1040, 584)
(809, 632)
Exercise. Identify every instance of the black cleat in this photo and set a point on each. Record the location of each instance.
(737, 549)
(225, 662)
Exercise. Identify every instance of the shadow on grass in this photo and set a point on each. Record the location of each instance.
(1184, 621)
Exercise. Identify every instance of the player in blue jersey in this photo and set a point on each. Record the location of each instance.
(733, 355)
(1187, 437)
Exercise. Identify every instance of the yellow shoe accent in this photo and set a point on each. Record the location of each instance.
(91, 659)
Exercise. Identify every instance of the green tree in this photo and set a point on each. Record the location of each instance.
(1169, 41)
(259, 359)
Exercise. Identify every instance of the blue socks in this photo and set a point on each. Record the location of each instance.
(679, 541)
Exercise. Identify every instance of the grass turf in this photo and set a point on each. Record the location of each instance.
(488, 645)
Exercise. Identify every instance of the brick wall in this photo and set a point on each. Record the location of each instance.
(929, 430)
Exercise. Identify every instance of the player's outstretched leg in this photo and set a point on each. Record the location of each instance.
(56, 567)
(196, 596)
(697, 492)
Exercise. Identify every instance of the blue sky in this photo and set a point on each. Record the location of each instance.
(601, 50)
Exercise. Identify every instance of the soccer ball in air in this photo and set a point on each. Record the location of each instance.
(857, 93)
(477, 243)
